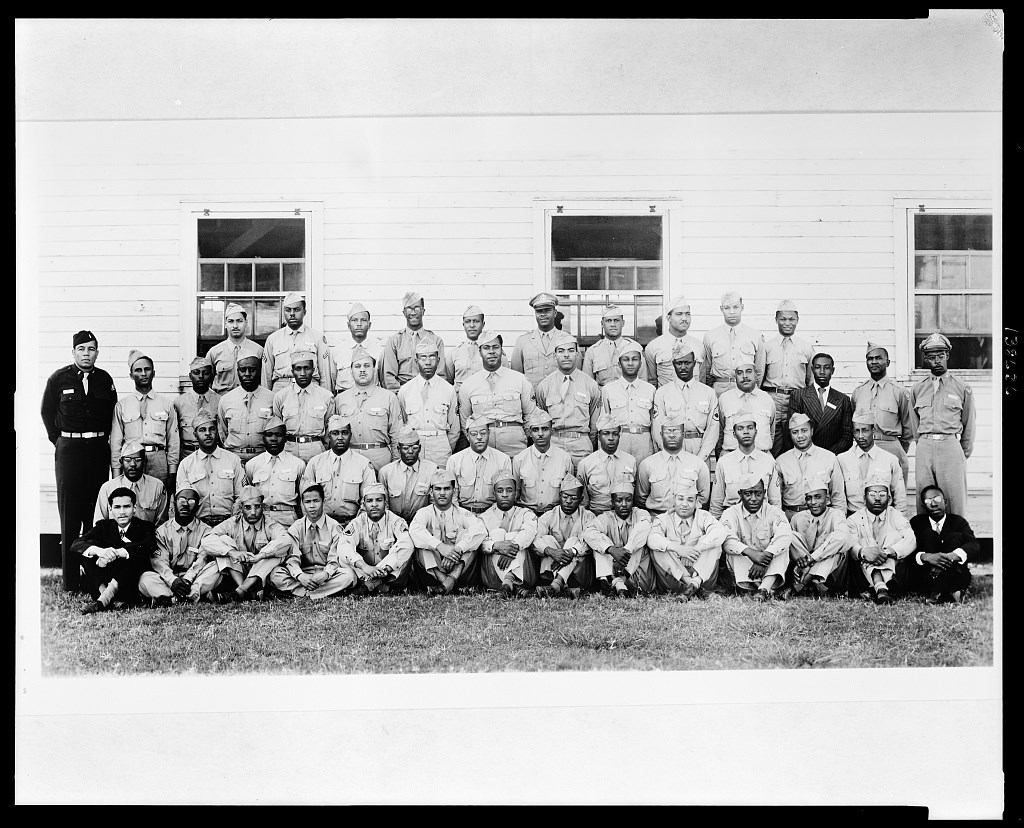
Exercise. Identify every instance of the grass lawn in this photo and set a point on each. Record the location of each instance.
(479, 633)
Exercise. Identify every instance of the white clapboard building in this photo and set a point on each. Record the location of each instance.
(853, 168)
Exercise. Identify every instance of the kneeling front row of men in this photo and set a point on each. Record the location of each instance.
(510, 550)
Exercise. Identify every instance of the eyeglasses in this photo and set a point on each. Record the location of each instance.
(932, 498)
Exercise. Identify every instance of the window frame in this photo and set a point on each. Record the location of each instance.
(669, 209)
(904, 210)
(192, 211)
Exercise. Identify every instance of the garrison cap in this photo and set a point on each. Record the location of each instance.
(412, 299)
(202, 418)
(425, 347)
(798, 419)
(134, 356)
(375, 489)
(816, 483)
(131, 447)
(630, 346)
(234, 307)
(359, 352)
(243, 357)
(570, 483)
(676, 421)
(82, 337)
(544, 299)
(186, 488)
(621, 486)
(502, 476)
(293, 298)
(563, 338)
(863, 418)
(606, 422)
(539, 417)
(472, 310)
(271, 424)
(877, 478)
(336, 422)
(874, 346)
(787, 305)
(677, 303)
(407, 436)
(478, 422)
(199, 362)
(685, 483)
(744, 362)
(488, 336)
(250, 494)
(681, 347)
(355, 309)
(303, 355)
(744, 415)
(748, 481)
(442, 477)
(936, 342)
(612, 312)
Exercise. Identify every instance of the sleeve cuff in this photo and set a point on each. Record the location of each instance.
(961, 555)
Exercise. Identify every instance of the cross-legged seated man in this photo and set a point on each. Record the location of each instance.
(115, 552)
(944, 544)
(818, 550)
(382, 543)
(176, 561)
(565, 559)
(686, 544)
(506, 564)
(446, 538)
(321, 561)
(618, 539)
(757, 546)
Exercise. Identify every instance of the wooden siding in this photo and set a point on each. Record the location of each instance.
(774, 206)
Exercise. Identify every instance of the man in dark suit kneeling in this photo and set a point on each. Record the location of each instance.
(115, 552)
(945, 542)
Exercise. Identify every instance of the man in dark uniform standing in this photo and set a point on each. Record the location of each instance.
(78, 407)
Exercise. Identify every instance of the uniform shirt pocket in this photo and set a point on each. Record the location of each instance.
(287, 475)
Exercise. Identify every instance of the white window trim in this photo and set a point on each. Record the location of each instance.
(903, 217)
(671, 209)
(192, 211)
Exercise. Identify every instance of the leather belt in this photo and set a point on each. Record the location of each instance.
(636, 429)
(212, 520)
(505, 424)
(428, 432)
(691, 435)
(941, 436)
(293, 439)
(83, 434)
(571, 434)
(247, 449)
(279, 508)
(477, 510)
(152, 448)
(776, 389)
(367, 445)
(722, 379)
(801, 508)
(192, 446)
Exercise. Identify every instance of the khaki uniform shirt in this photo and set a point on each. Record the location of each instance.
(601, 361)
(787, 361)
(473, 473)
(400, 356)
(630, 403)
(266, 535)
(879, 461)
(278, 478)
(758, 402)
(891, 406)
(732, 467)
(723, 352)
(657, 475)
(946, 407)
(573, 401)
(794, 466)
(150, 498)
(224, 355)
(538, 476)
(520, 523)
(304, 410)
(342, 478)
(437, 410)
(322, 549)
(556, 528)
(501, 396)
(341, 356)
(700, 530)
(177, 549)
(658, 358)
(408, 486)
(765, 530)
(277, 357)
(893, 532)
(374, 413)
(241, 416)
(600, 471)
(158, 428)
(217, 477)
(461, 528)
(609, 529)
(820, 537)
(389, 543)
(697, 405)
(462, 361)
(534, 355)
(187, 404)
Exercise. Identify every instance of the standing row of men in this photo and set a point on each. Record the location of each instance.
(544, 374)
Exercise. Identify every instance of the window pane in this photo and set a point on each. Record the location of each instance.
(590, 324)
(592, 278)
(645, 316)
(981, 272)
(926, 313)
(977, 233)
(621, 278)
(240, 277)
(648, 278)
(211, 317)
(294, 276)
(953, 314)
(268, 316)
(605, 237)
(268, 278)
(953, 272)
(265, 238)
(564, 278)
(951, 232)
(926, 272)
(211, 277)
(980, 308)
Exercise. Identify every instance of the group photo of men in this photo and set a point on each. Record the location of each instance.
(297, 470)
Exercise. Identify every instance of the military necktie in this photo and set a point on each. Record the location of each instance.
(506, 521)
(865, 462)
(84, 377)
(182, 546)
(876, 529)
(143, 406)
(492, 380)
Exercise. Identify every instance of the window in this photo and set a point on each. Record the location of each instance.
(597, 259)
(252, 261)
(952, 283)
